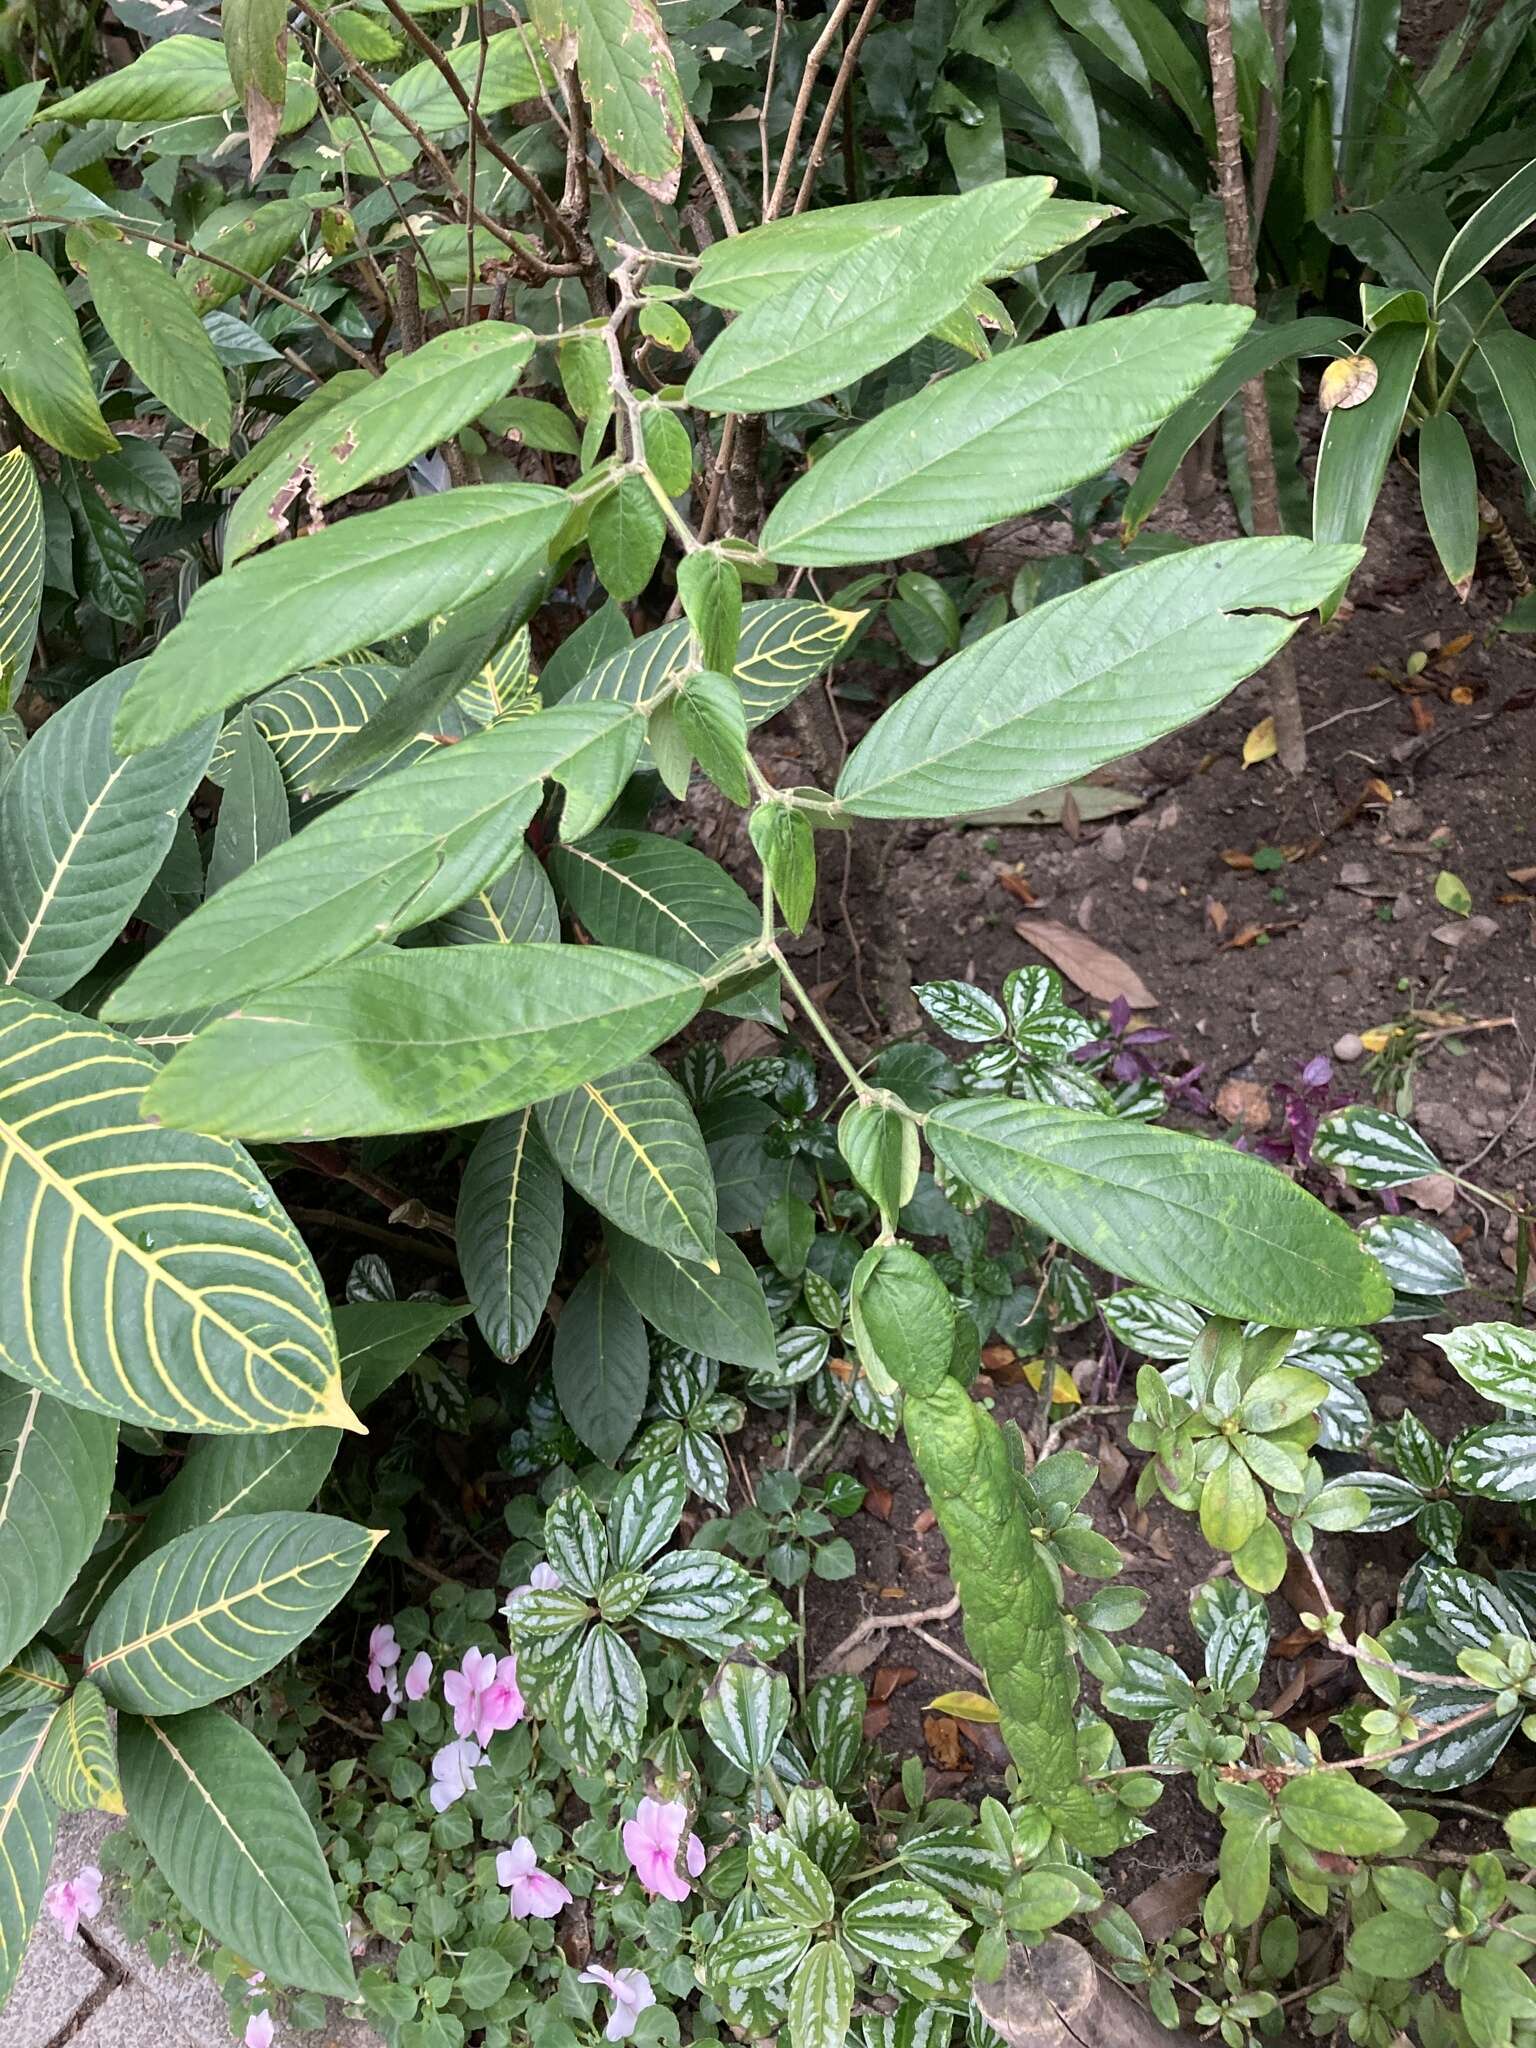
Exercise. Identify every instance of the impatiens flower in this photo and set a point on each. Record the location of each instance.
(631, 1993)
(542, 1579)
(453, 1773)
(418, 1680)
(75, 1898)
(652, 1841)
(484, 1695)
(383, 1656)
(259, 2030)
(535, 1894)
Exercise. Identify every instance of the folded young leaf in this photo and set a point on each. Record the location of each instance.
(1086, 678)
(329, 593)
(1187, 1216)
(225, 1826)
(854, 312)
(998, 439)
(395, 855)
(420, 1040)
(83, 832)
(217, 1317)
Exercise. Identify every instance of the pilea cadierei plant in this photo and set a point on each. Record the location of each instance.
(313, 854)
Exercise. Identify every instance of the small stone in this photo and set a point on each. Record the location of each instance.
(1349, 1048)
(1354, 875)
(1405, 818)
(1111, 843)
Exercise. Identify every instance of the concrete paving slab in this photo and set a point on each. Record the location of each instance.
(57, 1978)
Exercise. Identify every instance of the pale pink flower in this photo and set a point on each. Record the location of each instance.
(418, 1680)
(652, 1841)
(453, 1773)
(383, 1656)
(259, 2030)
(542, 1579)
(75, 1898)
(630, 1991)
(535, 1894)
(484, 1695)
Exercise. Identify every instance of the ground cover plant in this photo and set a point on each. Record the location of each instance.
(445, 455)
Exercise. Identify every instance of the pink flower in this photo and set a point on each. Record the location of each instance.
(542, 1579)
(535, 1894)
(484, 1695)
(652, 1841)
(631, 1993)
(75, 1898)
(259, 2030)
(383, 1656)
(418, 1680)
(453, 1773)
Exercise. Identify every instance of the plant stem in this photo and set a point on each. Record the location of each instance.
(819, 1025)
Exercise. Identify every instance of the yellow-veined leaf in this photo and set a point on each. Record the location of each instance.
(27, 1823)
(79, 1760)
(21, 567)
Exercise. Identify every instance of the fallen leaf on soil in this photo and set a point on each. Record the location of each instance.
(1252, 933)
(942, 1736)
(889, 1678)
(875, 1720)
(855, 1661)
(1379, 1037)
(1521, 875)
(965, 1706)
(923, 1522)
(1436, 1191)
(1245, 1103)
(1216, 915)
(1458, 645)
(1017, 885)
(1086, 964)
(893, 1592)
(746, 1041)
(1001, 1364)
(1422, 715)
(1169, 1904)
(1063, 1389)
(877, 1502)
(1261, 744)
(1114, 1467)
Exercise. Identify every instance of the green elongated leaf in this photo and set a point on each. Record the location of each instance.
(1357, 443)
(43, 367)
(1053, 74)
(508, 1227)
(28, 1820)
(255, 47)
(241, 1475)
(1502, 216)
(379, 1340)
(625, 533)
(78, 1765)
(394, 855)
(419, 402)
(236, 244)
(420, 1040)
(56, 1470)
(372, 576)
(785, 644)
(305, 718)
(709, 585)
(1359, 52)
(142, 477)
(630, 1145)
(1086, 678)
(654, 895)
(161, 336)
(602, 1364)
(721, 1314)
(33, 1677)
(109, 575)
(83, 831)
(1511, 357)
(216, 1608)
(821, 1998)
(630, 79)
(180, 76)
(516, 907)
(1259, 350)
(207, 1311)
(1000, 438)
(253, 818)
(226, 1828)
(1448, 491)
(1397, 1946)
(515, 69)
(21, 568)
(849, 315)
(1184, 1215)
(1244, 1862)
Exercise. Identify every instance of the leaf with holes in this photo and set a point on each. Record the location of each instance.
(220, 1606)
(218, 1319)
(225, 1827)
(508, 1227)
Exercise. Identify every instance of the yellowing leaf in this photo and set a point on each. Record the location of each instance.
(1379, 1039)
(1346, 383)
(1452, 893)
(965, 1706)
(1261, 743)
(1062, 1386)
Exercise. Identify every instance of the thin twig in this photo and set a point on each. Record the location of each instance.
(473, 170)
(813, 64)
(375, 1233)
(711, 170)
(873, 1624)
(840, 84)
